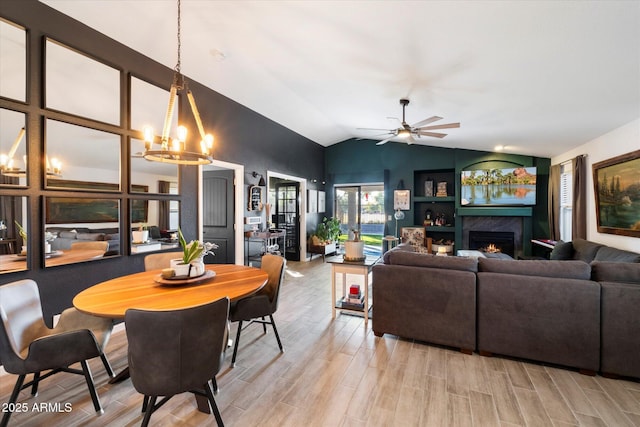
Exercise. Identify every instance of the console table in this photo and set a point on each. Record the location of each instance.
(272, 241)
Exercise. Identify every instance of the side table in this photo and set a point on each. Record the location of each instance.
(362, 268)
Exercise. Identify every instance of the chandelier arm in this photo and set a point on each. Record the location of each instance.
(16, 143)
(196, 113)
(169, 115)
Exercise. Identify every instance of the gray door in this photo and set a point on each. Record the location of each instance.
(218, 215)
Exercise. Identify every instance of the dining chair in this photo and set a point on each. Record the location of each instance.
(255, 308)
(103, 246)
(160, 260)
(176, 351)
(28, 346)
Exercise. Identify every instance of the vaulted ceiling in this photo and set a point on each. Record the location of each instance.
(540, 77)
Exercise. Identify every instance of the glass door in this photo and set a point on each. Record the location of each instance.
(361, 207)
(287, 217)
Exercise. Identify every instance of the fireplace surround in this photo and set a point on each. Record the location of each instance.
(495, 224)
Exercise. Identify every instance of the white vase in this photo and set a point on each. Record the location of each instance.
(140, 236)
(194, 269)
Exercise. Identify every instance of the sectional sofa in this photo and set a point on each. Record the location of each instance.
(564, 312)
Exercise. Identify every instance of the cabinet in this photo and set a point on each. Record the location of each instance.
(435, 195)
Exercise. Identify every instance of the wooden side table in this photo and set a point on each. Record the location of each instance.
(362, 268)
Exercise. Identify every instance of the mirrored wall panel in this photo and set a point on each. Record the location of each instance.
(81, 158)
(149, 108)
(13, 148)
(154, 225)
(80, 229)
(13, 66)
(79, 85)
(14, 231)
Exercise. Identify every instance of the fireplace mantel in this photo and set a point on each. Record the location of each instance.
(495, 211)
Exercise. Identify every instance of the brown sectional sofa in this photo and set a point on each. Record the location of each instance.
(571, 313)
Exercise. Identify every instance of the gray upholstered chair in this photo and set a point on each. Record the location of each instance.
(160, 260)
(28, 346)
(255, 308)
(176, 351)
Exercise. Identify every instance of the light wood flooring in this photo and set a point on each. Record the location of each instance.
(337, 373)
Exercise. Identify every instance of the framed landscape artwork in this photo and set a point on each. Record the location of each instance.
(617, 193)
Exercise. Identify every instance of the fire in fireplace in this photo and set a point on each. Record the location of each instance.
(492, 241)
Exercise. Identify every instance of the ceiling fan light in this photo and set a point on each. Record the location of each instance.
(404, 133)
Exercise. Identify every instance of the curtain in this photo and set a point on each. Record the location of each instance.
(579, 209)
(163, 215)
(554, 202)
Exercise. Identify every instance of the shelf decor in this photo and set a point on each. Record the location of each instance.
(428, 188)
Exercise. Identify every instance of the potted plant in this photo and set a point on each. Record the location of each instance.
(191, 264)
(329, 229)
(23, 234)
(142, 235)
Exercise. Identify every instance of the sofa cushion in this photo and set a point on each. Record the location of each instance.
(541, 268)
(607, 253)
(562, 251)
(585, 250)
(401, 247)
(68, 234)
(431, 261)
(90, 236)
(615, 272)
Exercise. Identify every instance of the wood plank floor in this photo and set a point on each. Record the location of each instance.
(336, 373)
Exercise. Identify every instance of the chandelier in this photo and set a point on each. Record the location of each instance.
(177, 150)
(8, 167)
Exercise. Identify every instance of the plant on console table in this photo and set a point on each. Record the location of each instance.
(193, 253)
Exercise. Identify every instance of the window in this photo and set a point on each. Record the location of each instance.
(566, 201)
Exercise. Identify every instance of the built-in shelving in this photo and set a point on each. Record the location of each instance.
(426, 199)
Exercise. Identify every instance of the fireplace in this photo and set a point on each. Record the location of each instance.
(492, 241)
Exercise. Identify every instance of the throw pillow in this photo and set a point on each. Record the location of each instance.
(562, 251)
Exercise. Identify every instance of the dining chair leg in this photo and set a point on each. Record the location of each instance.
(214, 382)
(150, 407)
(35, 382)
(235, 345)
(12, 400)
(264, 325)
(107, 365)
(145, 403)
(273, 323)
(91, 386)
(214, 406)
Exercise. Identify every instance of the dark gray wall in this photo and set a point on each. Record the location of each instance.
(242, 136)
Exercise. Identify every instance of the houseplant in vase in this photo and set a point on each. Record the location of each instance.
(192, 263)
(23, 235)
(141, 235)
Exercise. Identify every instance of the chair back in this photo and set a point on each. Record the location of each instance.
(274, 266)
(160, 260)
(22, 320)
(175, 351)
(103, 246)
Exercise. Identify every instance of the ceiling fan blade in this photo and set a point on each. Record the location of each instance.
(374, 136)
(427, 121)
(387, 130)
(433, 134)
(445, 126)
(384, 141)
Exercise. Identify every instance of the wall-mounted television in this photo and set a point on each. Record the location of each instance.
(498, 187)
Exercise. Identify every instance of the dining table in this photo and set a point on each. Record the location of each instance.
(148, 290)
(18, 262)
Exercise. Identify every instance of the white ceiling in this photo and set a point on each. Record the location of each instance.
(538, 77)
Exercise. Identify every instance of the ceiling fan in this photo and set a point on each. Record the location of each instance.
(417, 130)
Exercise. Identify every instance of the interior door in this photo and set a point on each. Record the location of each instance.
(288, 217)
(218, 214)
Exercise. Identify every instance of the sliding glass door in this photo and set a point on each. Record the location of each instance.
(361, 207)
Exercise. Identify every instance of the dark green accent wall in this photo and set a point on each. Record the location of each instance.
(362, 161)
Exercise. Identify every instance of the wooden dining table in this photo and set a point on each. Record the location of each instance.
(18, 262)
(114, 297)
(142, 291)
